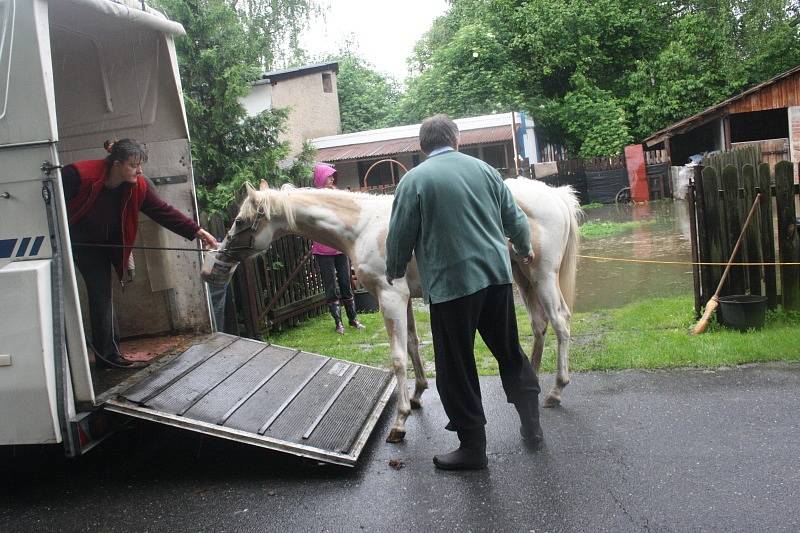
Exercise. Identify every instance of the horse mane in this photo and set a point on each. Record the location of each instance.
(270, 203)
(277, 202)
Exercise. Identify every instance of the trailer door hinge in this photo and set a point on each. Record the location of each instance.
(48, 168)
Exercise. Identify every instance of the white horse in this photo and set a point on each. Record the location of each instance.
(357, 224)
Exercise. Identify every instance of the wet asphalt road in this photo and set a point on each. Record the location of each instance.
(684, 450)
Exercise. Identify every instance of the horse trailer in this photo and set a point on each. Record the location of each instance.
(74, 73)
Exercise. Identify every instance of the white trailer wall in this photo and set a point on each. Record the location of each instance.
(115, 77)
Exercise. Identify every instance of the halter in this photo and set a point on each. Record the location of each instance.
(241, 237)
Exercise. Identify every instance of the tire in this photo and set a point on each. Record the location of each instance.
(623, 196)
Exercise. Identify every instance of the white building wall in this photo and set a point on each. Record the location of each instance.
(259, 99)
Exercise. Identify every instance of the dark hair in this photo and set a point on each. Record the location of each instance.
(436, 132)
(124, 149)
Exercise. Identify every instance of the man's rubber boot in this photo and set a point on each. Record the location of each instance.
(470, 455)
(336, 313)
(352, 316)
(530, 428)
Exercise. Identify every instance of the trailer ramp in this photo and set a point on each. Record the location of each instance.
(266, 395)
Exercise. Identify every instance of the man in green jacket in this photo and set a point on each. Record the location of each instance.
(454, 213)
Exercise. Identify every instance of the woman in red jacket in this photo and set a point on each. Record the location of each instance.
(104, 198)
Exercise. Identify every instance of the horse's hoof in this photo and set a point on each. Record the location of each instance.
(415, 403)
(396, 435)
(551, 401)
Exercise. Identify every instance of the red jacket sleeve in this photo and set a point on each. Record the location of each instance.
(167, 216)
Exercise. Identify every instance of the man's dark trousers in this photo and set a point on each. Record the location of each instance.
(489, 311)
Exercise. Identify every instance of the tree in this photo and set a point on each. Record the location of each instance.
(273, 27)
(218, 62)
(367, 99)
(595, 74)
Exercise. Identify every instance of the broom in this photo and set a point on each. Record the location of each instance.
(712, 304)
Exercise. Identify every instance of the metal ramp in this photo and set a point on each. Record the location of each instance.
(266, 395)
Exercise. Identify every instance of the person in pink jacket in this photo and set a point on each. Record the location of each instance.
(333, 264)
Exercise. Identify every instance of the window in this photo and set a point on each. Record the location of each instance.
(327, 82)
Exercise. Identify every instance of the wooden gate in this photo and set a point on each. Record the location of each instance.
(277, 287)
(719, 205)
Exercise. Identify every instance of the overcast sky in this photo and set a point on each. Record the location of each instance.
(385, 30)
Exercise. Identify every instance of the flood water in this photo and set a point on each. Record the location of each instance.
(664, 236)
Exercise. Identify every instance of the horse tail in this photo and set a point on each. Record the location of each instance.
(569, 262)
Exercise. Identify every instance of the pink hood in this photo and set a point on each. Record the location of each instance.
(321, 173)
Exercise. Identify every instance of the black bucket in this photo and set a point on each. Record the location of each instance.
(365, 302)
(742, 311)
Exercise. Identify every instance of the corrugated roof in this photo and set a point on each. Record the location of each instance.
(375, 149)
(682, 125)
(283, 74)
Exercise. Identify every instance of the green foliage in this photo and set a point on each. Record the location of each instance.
(598, 230)
(652, 333)
(366, 98)
(598, 74)
(597, 118)
(222, 53)
(273, 27)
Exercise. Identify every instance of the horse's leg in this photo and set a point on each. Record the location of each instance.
(536, 315)
(395, 319)
(558, 313)
(539, 327)
(421, 382)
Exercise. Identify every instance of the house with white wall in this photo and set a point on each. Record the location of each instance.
(310, 94)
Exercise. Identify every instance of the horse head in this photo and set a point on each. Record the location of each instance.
(253, 230)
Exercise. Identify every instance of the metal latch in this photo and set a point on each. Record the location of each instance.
(48, 168)
(166, 180)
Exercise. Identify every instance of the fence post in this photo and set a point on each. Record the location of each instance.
(704, 255)
(637, 172)
(767, 235)
(752, 253)
(712, 206)
(787, 235)
(733, 226)
(694, 243)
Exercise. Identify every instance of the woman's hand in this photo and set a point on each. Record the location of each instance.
(208, 240)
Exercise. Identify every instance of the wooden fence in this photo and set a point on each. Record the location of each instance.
(718, 207)
(605, 179)
(277, 288)
(281, 286)
(286, 270)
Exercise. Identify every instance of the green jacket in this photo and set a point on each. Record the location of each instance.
(454, 213)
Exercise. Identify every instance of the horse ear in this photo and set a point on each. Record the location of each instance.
(263, 186)
(251, 191)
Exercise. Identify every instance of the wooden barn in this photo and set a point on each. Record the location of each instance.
(767, 114)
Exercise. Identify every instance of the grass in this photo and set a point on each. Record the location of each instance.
(597, 230)
(648, 334)
(592, 205)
